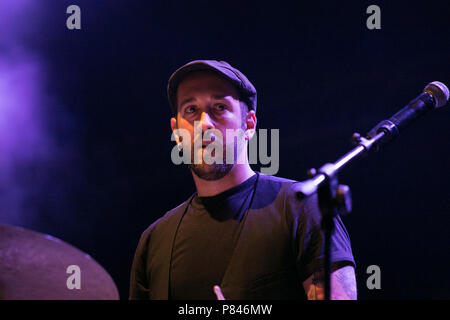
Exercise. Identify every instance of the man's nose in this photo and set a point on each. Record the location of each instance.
(206, 122)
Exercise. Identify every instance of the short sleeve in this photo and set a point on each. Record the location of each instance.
(304, 219)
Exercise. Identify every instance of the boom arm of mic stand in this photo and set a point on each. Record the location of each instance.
(317, 177)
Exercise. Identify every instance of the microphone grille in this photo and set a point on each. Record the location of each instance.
(439, 91)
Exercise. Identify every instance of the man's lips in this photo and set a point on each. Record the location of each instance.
(204, 143)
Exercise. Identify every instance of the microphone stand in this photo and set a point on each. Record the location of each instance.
(335, 198)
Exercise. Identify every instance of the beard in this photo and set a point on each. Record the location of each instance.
(211, 172)
(214, 171)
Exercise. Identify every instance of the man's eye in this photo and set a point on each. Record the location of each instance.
(189, 109)
(221, 107)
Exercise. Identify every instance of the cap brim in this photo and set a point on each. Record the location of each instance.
(180, 73)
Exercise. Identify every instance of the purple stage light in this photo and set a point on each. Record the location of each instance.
(24, 139)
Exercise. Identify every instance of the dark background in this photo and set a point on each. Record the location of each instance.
(103, 172)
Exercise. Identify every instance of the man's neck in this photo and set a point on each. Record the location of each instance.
(238, 174)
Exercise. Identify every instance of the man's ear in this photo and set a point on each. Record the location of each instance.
(250, 122)
(173, 125)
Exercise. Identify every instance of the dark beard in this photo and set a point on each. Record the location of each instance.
(211, 172)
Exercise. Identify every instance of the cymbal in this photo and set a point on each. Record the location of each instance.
(36, 266)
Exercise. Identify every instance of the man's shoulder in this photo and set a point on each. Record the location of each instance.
(286, 186)
(271, 191)
(175, 212)
(291, 186)
(167, 219)
(276, 179)
(269, 182)
(288, 193)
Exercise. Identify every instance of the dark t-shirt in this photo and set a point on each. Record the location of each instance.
(205, 241)
(274, 246)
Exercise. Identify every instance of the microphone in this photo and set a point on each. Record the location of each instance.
(439, 92)
(434, 95)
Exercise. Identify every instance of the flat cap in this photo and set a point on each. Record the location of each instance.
(246, 89)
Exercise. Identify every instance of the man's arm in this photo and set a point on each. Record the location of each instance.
(343, 283)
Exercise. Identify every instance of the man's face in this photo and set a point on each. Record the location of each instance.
(206, 97)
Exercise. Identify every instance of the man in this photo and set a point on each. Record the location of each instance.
(243, 234)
